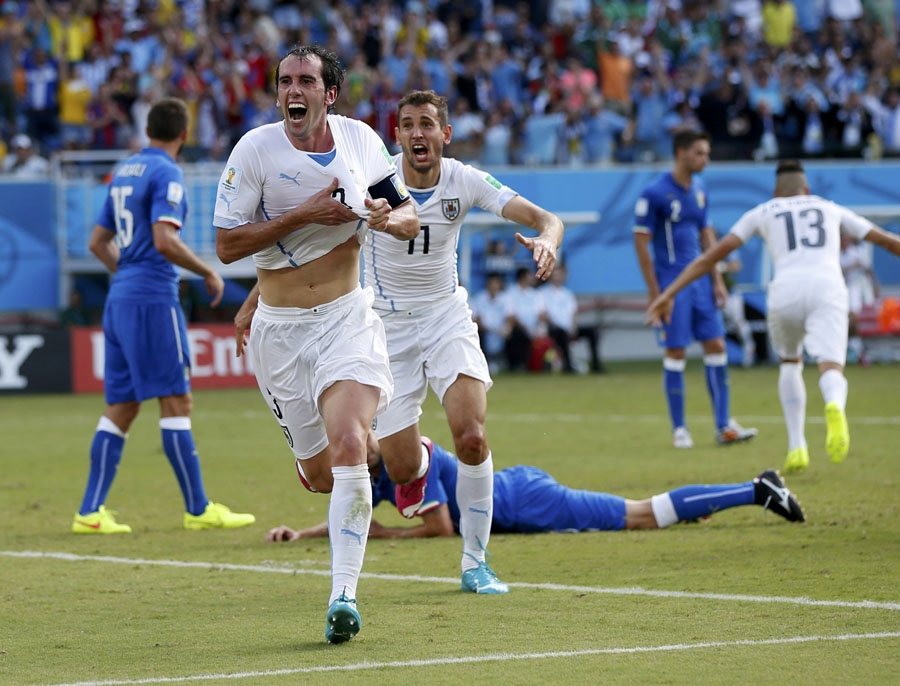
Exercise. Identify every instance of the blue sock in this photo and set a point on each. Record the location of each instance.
(691, 502)
(106, 451)
(719, 391)
(178, 442)
(673, 383)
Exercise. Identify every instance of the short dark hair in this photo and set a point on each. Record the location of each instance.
(789, 166)
(685, 138)
(332, 71)
(429, 97)
(168, 119)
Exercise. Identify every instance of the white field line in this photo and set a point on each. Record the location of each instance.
(11, 421)
(498, 657)
(624, 591)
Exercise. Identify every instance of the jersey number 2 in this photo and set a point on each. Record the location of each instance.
(123, 216)
(817, 223)
(412, 243)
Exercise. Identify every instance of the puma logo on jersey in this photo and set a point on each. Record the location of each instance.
(225, 200)
(293, 178)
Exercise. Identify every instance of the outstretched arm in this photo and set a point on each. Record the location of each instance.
(884, 239)
(661, 307)
(550, 232)
(708, 240)
(434, 523)
(170, 245)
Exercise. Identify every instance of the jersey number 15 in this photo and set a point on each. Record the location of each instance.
(123, 216)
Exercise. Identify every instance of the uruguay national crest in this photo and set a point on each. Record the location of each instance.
(450, 208)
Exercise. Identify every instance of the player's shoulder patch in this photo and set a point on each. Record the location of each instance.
(493, 182)
(641, 207)
(399, 186)
(174, 193)
(701, 198)
(387, 155)
(450, 208)
(231, 179)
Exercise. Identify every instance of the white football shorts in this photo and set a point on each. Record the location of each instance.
(299, 353)
(431, 345)
(810, 314)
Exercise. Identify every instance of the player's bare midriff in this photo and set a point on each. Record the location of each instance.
(314, 283)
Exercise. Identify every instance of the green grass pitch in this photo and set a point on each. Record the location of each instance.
(754, 599)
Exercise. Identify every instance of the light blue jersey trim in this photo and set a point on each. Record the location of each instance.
(323, 158)
(286, 253)
(419, 196)
(378, 281)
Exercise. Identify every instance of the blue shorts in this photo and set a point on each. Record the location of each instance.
(695, 316)
(147, 352)
(527, 499)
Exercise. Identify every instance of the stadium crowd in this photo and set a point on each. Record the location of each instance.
(529, 82)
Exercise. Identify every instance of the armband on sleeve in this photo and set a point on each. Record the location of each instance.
(390, 188)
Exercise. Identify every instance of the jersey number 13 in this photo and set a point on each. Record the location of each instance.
(811, 226)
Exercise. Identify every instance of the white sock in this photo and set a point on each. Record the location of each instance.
(349, 516)
(475, 497)
(833, 385)
(792, 392)
(423, 464)
(663, 510)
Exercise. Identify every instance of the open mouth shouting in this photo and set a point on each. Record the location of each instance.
(296, 111)
(420, 152)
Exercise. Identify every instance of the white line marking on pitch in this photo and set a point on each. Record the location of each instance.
(498, 657)
(636, 590)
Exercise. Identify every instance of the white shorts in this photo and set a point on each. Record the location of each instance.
(431, 345)
(810, 314)
(299, 353)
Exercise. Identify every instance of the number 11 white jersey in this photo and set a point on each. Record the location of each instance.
(802, 233)
(404, 274)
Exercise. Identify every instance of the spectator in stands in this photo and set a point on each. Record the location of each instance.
(23, 162)
(468, 131)
(9, 32)
(602, 128)
(885, 117)
(74, 314)
(108, 120)
(779, 19)
(74, 97)
(41, 107)
(560, 308)
(650, 107)
(615, 76)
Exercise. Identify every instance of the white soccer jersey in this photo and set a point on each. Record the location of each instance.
(267, 176)
(802, 233)
(407, 273)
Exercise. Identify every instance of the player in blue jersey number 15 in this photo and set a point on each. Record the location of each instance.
(146, 343)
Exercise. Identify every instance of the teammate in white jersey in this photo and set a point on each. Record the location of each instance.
(432, 339)
(293, 195)
(807, 299)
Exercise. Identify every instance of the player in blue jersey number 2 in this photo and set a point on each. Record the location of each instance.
(146, 347)
(670, 215)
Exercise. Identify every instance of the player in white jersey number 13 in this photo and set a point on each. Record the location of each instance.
(293, 195)
(431, 337)
(807, 298)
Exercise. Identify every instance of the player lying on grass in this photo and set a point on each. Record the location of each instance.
(528, 500)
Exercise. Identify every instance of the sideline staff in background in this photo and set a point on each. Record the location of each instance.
(670, 215)
(807, 299)
(146, 343)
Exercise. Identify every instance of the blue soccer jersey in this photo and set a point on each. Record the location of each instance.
(146, 188)
(146, 346)
(526, 499)
(673, 216)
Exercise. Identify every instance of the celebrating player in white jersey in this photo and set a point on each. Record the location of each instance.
(292, 195)
(432, 339)
(807, 299)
